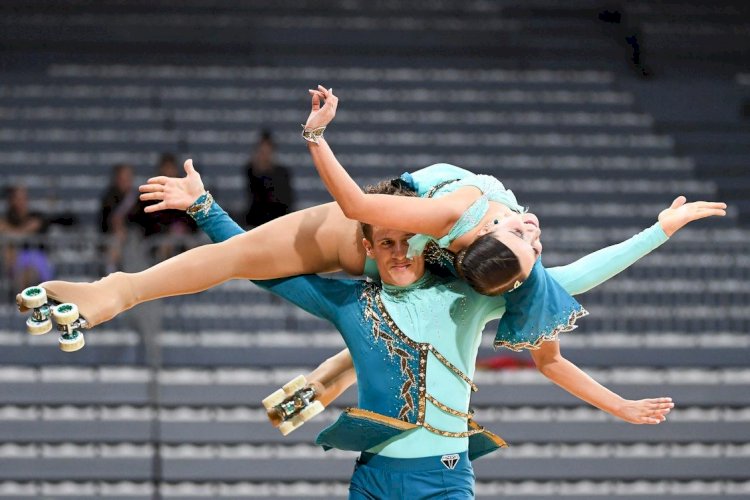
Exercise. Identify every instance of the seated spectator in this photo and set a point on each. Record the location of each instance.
(174, 223)
(121, 211)
(25, 259)
(269, 187)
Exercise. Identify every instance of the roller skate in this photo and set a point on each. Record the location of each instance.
(293, 405)
(69, 321)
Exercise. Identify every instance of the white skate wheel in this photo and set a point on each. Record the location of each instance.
(38, 327)
(72, 344)
(65, 314)
(34, 296)
(290, 425)
(274, 399)
(294, 385)
(310, 411)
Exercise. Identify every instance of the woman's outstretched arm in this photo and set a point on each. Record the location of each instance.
(551, 363)
(596, 268)
(411, 214)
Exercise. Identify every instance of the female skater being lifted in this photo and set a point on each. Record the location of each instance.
(474, 217)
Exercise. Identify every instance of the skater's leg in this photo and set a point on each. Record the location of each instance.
(315, 240)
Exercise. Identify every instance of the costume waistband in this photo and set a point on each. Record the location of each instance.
(439, 462)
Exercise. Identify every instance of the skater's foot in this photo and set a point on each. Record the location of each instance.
(97, 302)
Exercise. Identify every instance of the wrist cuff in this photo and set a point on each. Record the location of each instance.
(201, 206)
(312, 134)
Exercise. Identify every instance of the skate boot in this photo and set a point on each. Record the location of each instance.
(69, 322)
(75, 306)
(293, 405)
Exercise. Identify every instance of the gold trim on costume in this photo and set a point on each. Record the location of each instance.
(553, 335)
(491, 435)
(383, 419)
(440, 432)
(374, 311)
(445, 408)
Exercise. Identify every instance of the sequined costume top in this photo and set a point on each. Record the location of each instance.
(414, 348)
(441, 179)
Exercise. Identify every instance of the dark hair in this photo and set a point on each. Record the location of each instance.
(167, 158)
(488, 265)
(266, 136)
(394, 187)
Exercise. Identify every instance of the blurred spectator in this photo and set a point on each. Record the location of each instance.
(269, 187)
(121, 211)
(25, 260)
(173, 223)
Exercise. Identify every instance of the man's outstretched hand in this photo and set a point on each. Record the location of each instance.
(173, 192)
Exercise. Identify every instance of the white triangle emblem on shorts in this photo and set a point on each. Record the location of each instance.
(450, 461)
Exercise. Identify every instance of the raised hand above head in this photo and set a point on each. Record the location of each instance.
(321, 115)
(173, 192)
(680, 213)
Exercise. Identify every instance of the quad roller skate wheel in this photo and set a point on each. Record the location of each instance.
(310, 411)
(287, 427)
(33, 297)
(294, 385)
(71, 342)
(303, 416)
(38, 327)
(65, 314)
(274, 399)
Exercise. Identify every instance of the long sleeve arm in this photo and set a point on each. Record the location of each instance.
(217, 224)
(596, 268)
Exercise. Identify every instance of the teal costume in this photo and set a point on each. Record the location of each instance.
(414, 350)
(421, 343)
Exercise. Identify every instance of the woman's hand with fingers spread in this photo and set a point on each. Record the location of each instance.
(321, 115)
(645, 411)
(173, 192)
(681, 213)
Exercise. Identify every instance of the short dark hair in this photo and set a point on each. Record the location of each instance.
(167, 158)
(394, 187)
(488, 265)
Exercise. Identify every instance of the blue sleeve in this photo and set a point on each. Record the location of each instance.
(321, 297)
(325, 298)
(217, 224)
(596, 268)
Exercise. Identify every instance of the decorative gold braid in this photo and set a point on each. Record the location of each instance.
(553, 335)
(377, 417)
(451, 434)
(445, 408)
(392, 324)
(374, 302)
(490, 435)
(372, 291)
(422, 412)
(452, 368)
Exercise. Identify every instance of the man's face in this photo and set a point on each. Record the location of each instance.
(388, 249)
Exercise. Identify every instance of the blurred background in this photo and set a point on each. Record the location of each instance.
(596, 113)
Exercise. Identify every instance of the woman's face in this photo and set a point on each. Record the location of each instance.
(521, 234)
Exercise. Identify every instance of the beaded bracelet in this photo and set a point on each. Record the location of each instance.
(201, 206)
(312, 134)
